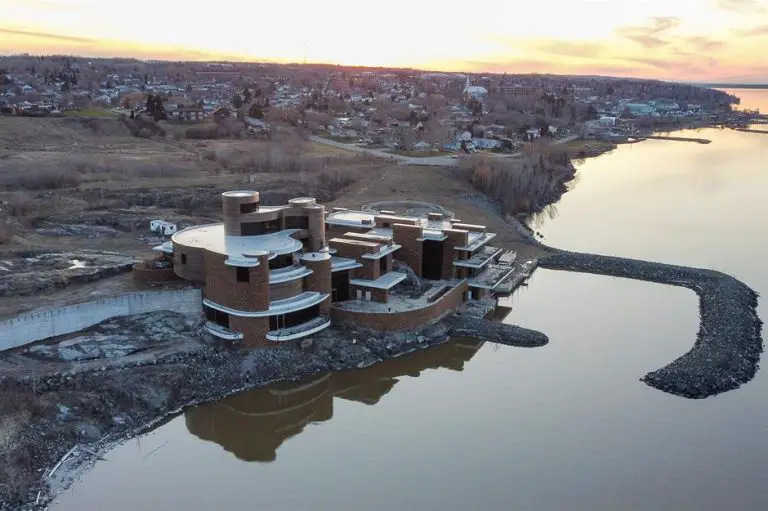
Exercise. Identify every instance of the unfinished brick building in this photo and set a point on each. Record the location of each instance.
(280, 273)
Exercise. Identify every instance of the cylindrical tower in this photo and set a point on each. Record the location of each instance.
(234, 205)
(316, 219)
(320, 279)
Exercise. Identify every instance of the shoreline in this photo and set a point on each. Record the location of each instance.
(100, 408)
(123, 402)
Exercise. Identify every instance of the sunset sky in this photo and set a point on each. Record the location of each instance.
(697, 40)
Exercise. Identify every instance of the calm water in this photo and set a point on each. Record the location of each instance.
(751, 99)
(468, 426)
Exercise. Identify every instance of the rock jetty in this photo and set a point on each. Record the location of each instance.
(728, 346)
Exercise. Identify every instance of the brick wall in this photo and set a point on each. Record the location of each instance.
(148, 276)
(351, 250)
(320, 279)
(370, 269)
(407, 236)
(337, 231)
(254, 331)
(222, 287)
(455, 238)
(377, 295)
(406, 320)
(194, 268)
(286, 289)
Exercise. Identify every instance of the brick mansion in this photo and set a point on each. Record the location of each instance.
(272, 274)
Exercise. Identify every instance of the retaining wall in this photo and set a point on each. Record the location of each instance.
(38, 325)
(405, 320)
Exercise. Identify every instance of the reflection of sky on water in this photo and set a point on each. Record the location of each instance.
(565, 426)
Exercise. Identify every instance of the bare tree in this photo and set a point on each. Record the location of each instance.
(436, 133)
(406, 138)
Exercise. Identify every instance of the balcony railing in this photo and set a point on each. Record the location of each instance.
(222, 332)
(297, 332)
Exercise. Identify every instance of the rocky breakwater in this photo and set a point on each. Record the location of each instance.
(500, 333)
(728, 346)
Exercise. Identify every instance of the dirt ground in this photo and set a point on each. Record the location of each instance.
(124, 181)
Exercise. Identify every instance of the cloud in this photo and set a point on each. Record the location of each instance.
(759, 30)
(701, 43)
(46, 35)
(587, 50)
(648, 35)
(741, 5)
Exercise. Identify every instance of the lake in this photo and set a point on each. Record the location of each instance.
(472, 426)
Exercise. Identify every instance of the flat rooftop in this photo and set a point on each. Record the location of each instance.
(385, 282)
(211, 237)
(477, 240)
(367, 219)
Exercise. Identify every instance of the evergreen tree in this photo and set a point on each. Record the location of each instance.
(256, 112)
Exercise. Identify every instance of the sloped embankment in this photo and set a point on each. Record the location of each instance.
(728, 346)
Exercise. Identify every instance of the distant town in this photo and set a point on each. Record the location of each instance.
(400, 111)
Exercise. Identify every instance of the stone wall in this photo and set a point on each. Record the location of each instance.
(38, 325)
(405, 320)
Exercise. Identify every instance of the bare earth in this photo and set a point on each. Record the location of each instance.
(124, 182)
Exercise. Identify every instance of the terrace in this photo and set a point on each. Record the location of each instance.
(480, 258)
(492, 276)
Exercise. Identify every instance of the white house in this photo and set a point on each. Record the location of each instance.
(607, 121)
(475, 91)
(532, 133)
(486, 143)
(162, 227)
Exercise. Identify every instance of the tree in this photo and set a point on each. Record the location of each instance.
(247, 96)
(65, 87)
(436, 133)
(256, 112)
(237, 101)
(159, 110)
(406, 138)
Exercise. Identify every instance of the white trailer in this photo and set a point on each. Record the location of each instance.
(162, 227)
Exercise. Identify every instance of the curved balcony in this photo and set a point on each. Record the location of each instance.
(299, 331)
(222, 332)
(289, 273)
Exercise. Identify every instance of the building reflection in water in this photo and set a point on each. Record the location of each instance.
(254, 424)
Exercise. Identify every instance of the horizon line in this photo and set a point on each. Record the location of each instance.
(365, 66)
